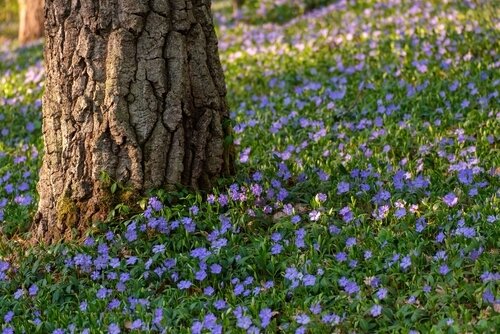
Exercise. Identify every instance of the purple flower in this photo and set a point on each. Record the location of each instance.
(400, 213)
(200, 275)
(136, 324)
(367, 255)
(302, 319)
(309, 280)
(276, 249)
(488, 296)
(115, 303)
(288, 209)
(299, 238)
(8, 317)
(238, 289)
(376, 310)
(223, 200)
(210, 321)
(490, 277)
(211, 200)
(301, 330)
(244, 155)
(114, 329)
(131, 234)
(346, 213)
(200, 253)
(322, 197)
(265, 316)
(443, 269)
(382, 293)
(331, 319)
(33, 290)
(197, 327)
(268, 284)
(450, 199)
(243, 322)
(420, 224)
(440, 237)
(83, 306)
(109, 235)
(465, 176)
(315, 308)
(291, 273)
(158, 249)
(102, 293)
(194, 210)
(341, 256)
(314, 215)
(220, 304)
(440, 255)
(405, 262)
(381, 212)
(350, 242)
(183, 285)
(23, 200)
(155, 204)
(351, 288)
(342, 187)
(18, 294)
(257, 176)
(215, 268)
(248, 280)
(208, 291)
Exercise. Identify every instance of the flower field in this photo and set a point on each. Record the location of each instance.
(366, 198)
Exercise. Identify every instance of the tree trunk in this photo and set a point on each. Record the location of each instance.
(237, 4)
(134, 91)
(30, 20)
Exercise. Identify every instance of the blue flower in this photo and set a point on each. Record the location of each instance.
(215, 268)
(342, 188)
(136, 324)
(185, 284)
(220, 304)
(405, 262)
(309, 280)
(376, 310)
(381, 293)
(114, 329)
(8, 317)
(450, 199)
(443, 269)
(302, 319)
(158, 249)
(265, 316)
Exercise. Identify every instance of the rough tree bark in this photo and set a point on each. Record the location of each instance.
(135, 90)
(30, 20)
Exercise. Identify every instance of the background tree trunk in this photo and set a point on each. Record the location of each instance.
(30, 20)
(237, 4)
(134, 90)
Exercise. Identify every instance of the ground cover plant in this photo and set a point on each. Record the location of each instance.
(367, 197)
